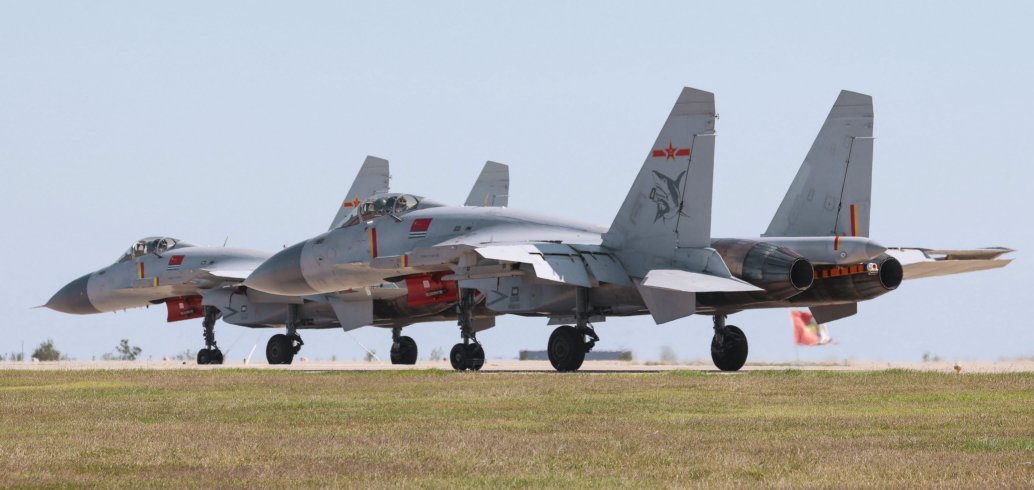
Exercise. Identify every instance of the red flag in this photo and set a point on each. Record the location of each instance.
(806, 332)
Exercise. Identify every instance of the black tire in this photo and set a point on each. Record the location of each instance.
(458, 357)
(203, 356)
(280, 349)
(408, 350)
(396, 353)
(475, 357)
(731, 353)
(216, 357)
(566, 349)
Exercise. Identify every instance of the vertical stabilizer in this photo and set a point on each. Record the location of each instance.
(492, 187)
(372, 179)
(669, 205)
(831, 194)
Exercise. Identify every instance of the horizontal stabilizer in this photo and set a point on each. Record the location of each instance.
(694, 282)
(352, 314)
(666, 305)
(829, 313)
(918, 263)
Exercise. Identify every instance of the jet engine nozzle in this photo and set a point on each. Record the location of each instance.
(853, 283)
(282, 274)
(780, 271)
(891, 273)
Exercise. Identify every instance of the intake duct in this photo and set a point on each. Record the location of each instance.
(781, 272)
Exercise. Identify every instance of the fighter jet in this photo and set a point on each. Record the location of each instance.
(160, 270)
(393, 303)
(657, 257)
(204, 282)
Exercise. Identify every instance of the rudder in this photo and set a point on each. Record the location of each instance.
(831, 194)
(669, 204)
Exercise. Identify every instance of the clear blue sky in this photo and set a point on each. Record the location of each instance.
(203, 120)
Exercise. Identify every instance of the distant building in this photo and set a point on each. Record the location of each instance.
(603, 355)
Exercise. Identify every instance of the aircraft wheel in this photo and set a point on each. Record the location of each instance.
(475, 357)
(203, 356)
(280, 349)
(458, 357)
(408, 350)
(566, 349)
(215, 356)
(729, 350)
(404, 351)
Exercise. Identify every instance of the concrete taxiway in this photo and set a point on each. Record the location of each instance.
(1020, 365)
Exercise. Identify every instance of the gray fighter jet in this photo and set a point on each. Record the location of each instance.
(205, 282)
(656, 258)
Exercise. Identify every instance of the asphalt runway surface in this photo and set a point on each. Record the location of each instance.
(1005, 366)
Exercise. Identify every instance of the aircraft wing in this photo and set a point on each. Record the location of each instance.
(492, 187)
(922, 262)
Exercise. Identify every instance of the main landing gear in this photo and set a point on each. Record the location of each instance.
(728, 346)
(211, 353)
(281, 348)
(469, 354)
(403, 349)
(567, 345)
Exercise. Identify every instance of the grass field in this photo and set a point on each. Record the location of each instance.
(248, 428)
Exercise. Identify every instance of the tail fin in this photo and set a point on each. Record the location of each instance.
(832, 191)
(372, 178)
(492, 187)
(669, 205)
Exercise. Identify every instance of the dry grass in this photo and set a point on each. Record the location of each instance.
(236, 428)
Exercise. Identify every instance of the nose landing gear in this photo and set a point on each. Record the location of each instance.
(211, 353)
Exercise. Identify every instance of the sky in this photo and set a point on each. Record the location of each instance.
(247, 121)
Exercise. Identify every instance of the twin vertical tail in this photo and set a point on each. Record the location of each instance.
(669, 205)
(372, 179)
(831, 194)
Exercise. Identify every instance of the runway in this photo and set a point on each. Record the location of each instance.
(510, 366)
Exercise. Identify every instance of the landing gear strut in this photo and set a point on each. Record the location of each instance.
(567, 345)
(728, 346)
(403, 349)
(469, 354)
(211, 353)
(282, 348)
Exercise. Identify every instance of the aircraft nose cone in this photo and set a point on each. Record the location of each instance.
(73, 298)
(281, 274)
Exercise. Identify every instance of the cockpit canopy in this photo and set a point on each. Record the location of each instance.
(385, 205)
(152, 245)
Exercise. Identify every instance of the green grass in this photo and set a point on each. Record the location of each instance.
(256, 429)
